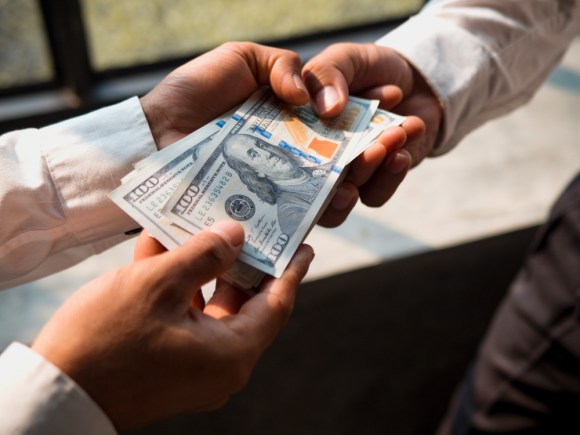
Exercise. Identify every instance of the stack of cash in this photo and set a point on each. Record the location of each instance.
(268, 165)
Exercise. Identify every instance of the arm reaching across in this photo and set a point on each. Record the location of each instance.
(484, 58)
(454, 66)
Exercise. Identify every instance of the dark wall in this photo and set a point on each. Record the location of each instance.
(375, 351)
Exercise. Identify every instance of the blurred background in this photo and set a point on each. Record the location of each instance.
(398, 297)
(133, 33)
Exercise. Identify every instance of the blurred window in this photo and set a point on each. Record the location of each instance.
(24, 48)
(60, 58)
(132, 32)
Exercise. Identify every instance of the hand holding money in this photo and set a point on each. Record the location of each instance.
(377, 72)
(211, 84)
(271, 166)
(138, 346)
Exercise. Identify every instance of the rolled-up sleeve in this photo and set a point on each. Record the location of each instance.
(54, 204)
(483, 58)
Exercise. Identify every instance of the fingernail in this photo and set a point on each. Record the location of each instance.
(307, 252)
(399, 162)
(230, 231)
(342, 199)
(326, 99)
(299, 83)
(311, 254)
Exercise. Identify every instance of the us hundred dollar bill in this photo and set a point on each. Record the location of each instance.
(145, 191)
(381, 120)
(272, 169)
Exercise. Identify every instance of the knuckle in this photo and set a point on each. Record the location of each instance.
(340, 47)
(292, 55)
(285, 57)
(240, 48)
(231, 45)
(227, 46)
(245, 45)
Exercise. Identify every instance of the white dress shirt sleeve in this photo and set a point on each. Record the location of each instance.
(54, 204)
(484, 57)
(36, 398)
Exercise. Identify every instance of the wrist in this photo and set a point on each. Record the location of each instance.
(423, 86)
(155, 119)
(434, 107)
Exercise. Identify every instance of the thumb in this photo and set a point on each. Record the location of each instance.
(327, 79)
(203, 257)
(358, 69)
(280, 69)
(146, 246)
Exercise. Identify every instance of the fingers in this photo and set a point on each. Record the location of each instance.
(358, 68)
(203, 257)
(404, 148)
(377, 184)
(278, 68)
(414, 128)
(329, 90)
(327, 77)
(388, 95)
(422, 127)
(360, 173)
(266, 313)
(375, 175)
(344, 200)
(384, 182)
(146, 246)
(225, 301)
(365, 165)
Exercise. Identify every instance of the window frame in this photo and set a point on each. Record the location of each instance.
(77, 88)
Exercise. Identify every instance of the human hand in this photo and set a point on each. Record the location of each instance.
(210, 85)
(375, 72)
(140, 342)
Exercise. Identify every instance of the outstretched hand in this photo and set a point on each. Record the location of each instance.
(144, 346)
(214, 83)
(374, 72)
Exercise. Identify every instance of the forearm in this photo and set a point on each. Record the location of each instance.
(483, 58)
(54, 194)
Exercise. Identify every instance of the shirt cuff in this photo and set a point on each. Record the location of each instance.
(447, 57)
(37, 398)
(87, 156)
